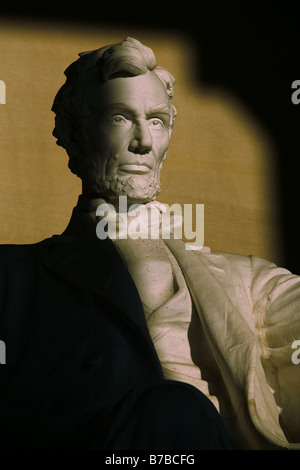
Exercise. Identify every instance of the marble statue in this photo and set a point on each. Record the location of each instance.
(153, 346)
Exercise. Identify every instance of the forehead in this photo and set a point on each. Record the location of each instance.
(142, 91)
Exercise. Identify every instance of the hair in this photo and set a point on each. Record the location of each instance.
(126, 59)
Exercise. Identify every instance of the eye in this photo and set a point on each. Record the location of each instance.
(118, 120)
(156, 124)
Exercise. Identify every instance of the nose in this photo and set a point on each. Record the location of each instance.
(141, 141)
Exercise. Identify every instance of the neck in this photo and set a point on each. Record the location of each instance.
(90, 201)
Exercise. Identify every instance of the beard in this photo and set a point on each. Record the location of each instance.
(138, 188)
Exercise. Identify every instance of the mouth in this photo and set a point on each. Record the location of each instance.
(135, 169)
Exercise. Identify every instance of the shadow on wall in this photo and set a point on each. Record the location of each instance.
(254, 57)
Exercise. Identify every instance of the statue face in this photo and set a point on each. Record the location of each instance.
(129, 134)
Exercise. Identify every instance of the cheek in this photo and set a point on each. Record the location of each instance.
(111, 140)
(160, 144)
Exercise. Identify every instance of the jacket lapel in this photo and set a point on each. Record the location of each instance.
(209, 280)
(93, 264)
(232, 341)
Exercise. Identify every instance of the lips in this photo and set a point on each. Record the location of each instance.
(137, 169)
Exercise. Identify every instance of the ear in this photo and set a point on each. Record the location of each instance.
(67, 132)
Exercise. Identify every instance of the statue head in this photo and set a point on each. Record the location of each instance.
(114, 117)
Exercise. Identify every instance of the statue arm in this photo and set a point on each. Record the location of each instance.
(276, 310)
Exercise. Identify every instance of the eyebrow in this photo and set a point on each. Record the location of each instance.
(160, 108)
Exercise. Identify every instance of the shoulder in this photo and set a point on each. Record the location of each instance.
(12, 254)
(258, 267)
(259, 276)
(8, 250)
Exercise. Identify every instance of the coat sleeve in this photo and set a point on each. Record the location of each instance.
(275, 294)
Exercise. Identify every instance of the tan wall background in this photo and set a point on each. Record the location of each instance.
(219, 155)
